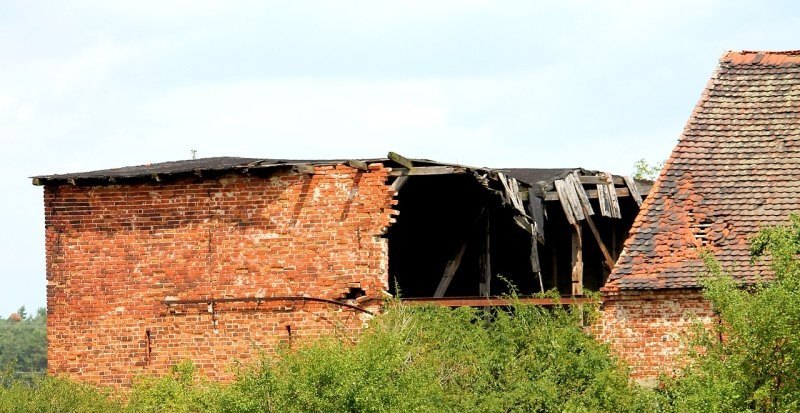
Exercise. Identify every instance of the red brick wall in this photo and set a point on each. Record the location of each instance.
(115, 252)
(648, 329)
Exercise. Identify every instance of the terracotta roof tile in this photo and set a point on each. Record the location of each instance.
(735, 169)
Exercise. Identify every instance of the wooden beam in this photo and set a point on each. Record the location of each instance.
(577, 260)
(485, 262)
(600, 179)
(569, 202)
(535, 265)
(398, 183)
(596, 233)
(355, 163)
(609, 204)
(590, 193)
(426, 170)
(572, 179)
(401, 160)
(634, 188)
(450, 271)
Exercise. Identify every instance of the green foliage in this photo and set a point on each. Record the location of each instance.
(23, 344)
(182, 391)
(646, 171)
(519, 359)
(750, 361)
(54, 395)
(436, 359)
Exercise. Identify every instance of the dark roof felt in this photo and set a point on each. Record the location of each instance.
(735, 169)
(221, 164)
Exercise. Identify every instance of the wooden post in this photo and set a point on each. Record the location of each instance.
(577, 260)
(450, 271)
(554, 260)
(485, 263)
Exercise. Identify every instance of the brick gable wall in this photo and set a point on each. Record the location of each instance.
(114, 253)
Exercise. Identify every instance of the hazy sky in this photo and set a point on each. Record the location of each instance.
(95, 84)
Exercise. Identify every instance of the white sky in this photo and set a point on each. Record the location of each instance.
(95, 84)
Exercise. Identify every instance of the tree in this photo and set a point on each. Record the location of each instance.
(23, 343)
(646, 171)
(22, 313)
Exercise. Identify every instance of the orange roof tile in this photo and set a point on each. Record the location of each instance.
(736, 167)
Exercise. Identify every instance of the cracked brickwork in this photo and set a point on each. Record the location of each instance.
(115, 252)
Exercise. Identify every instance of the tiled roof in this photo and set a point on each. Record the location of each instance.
(735, 169)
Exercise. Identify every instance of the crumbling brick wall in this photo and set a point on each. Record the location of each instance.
(648, 329)
(116, 252)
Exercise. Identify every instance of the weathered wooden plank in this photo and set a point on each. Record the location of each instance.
(564, 199)
(398, 183)
(603, 200)
(573, 180)
(511, 188)
(613, 201)
(591, 193)
(426, 170)
(401, 160)
(355, 163)
(567, 190)
(577, 260)
(634, 188)
(514, 195)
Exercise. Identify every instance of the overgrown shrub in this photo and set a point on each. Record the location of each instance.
(54, 395)
(436, 359)
(751, 360)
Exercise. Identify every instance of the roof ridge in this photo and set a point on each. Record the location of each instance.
(763, 57)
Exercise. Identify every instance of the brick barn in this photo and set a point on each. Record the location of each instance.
(217, 260)
(735, 169)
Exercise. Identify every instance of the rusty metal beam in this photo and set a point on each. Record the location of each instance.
(212, 301)
(494, 301)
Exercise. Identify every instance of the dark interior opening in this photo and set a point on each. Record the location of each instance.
(437, 215)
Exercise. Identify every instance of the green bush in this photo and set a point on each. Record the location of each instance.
(57, 395)
(750, 361)
(436, 359)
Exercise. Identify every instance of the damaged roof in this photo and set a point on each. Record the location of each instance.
(193, 166)
(164, 170)
(736, 168)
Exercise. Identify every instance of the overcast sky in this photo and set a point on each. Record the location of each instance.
(96, 84)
